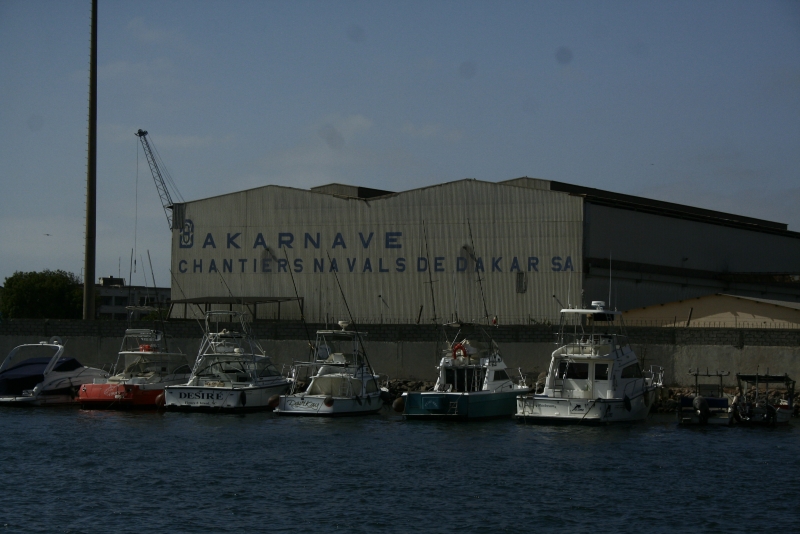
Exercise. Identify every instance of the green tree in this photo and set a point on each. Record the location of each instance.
(44, 295)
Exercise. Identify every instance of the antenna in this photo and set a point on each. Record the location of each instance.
(455, 297)
(172, 275)
(480, 282)
(352, 321)
(158, 303)
(609, 280)
(430, 276)
(569, 291)
(296, 294)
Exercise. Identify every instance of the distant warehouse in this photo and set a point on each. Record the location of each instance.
(465, 249)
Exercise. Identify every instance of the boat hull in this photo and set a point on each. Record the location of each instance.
(120, 396)
(460, 406)
(539, 409)
(719, 412)
(60, 397)
(221, 399)
(314, 405)
(760, 416)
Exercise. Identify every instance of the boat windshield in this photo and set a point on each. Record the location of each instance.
(152, 363)
(27, 352)
(333, 347)
(225, 365)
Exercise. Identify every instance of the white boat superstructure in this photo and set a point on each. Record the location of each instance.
(39, 374)
(231, 373)
(339, 376)
(594, 377)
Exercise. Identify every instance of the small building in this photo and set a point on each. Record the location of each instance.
(718, 310)
(114, 295)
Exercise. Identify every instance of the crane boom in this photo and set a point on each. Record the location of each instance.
(161, 186)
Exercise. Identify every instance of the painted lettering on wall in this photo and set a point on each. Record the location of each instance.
(349, 253)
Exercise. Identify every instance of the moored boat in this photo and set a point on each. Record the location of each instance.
(144, 367)
(231, 373)
(709, 405)
(473, 382)
(39, 374)
(753, 405)
(594, 377)
(342, 381)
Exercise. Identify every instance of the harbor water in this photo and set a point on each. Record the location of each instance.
(69, 470)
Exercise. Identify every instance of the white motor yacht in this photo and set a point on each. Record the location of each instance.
(594, 377)
(231, 372)
(342, 381)
(39, 374)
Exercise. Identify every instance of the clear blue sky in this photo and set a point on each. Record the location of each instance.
(691, 102)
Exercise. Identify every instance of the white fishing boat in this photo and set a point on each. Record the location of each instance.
(594, 377)
(231, 374)
(340, 378)
(473, 382)
(39, 374)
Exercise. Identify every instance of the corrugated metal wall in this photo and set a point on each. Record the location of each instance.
(658, 240)
(238, 244)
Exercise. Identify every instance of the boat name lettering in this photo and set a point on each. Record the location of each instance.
(201, 395)
(543, 405)
(301, 403)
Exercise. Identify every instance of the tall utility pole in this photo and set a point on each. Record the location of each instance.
(91, 182)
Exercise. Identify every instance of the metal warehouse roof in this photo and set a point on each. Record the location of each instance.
(658, 207)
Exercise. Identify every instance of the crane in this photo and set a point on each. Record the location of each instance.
(161, 185)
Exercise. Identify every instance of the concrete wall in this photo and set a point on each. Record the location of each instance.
(410, 351)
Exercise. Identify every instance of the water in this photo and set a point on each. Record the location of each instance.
(66, 470)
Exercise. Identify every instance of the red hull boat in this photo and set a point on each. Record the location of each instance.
(140, 375)
(121, 396)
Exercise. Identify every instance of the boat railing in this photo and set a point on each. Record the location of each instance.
(522, 378)
(656, 375)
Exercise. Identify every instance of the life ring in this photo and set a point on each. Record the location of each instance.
(459, 347)
(145, 348)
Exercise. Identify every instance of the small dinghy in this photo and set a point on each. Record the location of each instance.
(39, 374)
(709, 405)
(753, 405)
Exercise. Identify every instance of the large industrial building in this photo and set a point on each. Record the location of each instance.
(515, 250)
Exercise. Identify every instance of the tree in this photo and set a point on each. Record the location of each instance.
(43, 295)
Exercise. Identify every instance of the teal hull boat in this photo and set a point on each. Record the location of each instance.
(470, 406)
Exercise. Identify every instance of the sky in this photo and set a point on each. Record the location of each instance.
(689, 102)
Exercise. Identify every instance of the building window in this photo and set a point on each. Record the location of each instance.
(121, 301)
